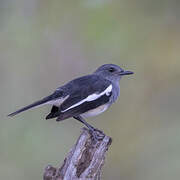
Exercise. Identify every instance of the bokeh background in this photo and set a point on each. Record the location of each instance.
(45, 43)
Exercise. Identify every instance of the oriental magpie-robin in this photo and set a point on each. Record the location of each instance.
(86, 96)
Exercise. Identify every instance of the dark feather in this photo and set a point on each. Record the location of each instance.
(84, 107)
(77, 89)
(53, 112)
(82, 87)
(55, 95)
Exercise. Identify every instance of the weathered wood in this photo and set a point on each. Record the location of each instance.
(84, 161)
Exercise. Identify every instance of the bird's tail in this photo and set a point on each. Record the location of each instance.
(35, 104)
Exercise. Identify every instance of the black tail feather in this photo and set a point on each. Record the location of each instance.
(37, 103)
(54, 113)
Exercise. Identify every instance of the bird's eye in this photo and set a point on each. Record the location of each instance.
(111, 69)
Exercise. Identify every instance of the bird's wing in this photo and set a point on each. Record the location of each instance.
(86, 93)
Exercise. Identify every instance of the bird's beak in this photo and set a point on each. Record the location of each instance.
(126, 73)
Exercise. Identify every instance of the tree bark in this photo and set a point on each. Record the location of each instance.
(84, 161)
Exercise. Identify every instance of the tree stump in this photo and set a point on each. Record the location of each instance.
(84, 161)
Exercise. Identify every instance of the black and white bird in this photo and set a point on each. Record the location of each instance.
(85, 96)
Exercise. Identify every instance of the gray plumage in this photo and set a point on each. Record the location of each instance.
(84, 96)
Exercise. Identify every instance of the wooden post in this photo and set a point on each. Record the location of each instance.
(84, 161)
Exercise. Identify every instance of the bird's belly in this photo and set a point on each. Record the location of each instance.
(96, 111)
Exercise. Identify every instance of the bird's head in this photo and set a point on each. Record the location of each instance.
(112, 72)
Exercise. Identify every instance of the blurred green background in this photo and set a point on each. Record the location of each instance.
(45, 43)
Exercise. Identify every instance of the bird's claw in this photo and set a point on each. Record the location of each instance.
(97, 134)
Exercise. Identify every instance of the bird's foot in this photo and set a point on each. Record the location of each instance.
(97, 134)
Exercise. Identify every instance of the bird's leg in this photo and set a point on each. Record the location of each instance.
(79, 118)
(97, 134)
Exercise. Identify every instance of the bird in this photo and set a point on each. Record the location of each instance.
(83, 97)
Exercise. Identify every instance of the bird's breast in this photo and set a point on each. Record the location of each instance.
(116, 92)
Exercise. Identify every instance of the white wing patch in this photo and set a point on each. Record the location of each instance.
(91, 97)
